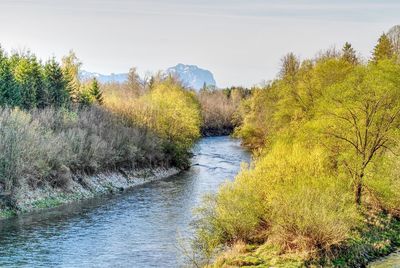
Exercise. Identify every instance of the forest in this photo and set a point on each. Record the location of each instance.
(324, 186)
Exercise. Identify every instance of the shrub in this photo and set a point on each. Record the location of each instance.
(45, 145)
(168, 110)
(290, 198)
(218, 110)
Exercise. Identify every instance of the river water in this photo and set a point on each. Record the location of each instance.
(140, 228)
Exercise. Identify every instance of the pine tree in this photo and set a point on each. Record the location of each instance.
(37, 73)
(56, 84)
(25, 75)
(85, 97)
(9, 90)
(383, 50)
(96, 92)
(349, 54)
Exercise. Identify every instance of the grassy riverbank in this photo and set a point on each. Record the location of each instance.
(324, 188)
(84, 187)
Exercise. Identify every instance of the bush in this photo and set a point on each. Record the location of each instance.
(24, 151)
(168, 110)
(218, 110)
(44, 145)
(290, 197)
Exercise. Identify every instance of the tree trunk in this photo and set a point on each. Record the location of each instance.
(358, 189)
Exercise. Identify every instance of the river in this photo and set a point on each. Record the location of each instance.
(143, 227)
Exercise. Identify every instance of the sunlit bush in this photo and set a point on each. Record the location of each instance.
(169, 111)
(291, 197)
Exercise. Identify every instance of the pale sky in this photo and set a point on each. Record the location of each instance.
(240, 42)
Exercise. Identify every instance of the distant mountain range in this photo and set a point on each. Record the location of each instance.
(104, 78)
(190, 75)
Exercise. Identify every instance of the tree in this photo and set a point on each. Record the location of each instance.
(28, 73)
(9, 90)
(71, 67)
(133, 82)
(362, 115)
(383, 50)
(85, 97)
(290, 64)
(56, 84)
(96, 92)
(349, 54)
(42, 95)
(204, 88)
(394, 36)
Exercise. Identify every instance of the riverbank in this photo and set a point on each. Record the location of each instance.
(144, 226)
(374, 246)
(393, 260)
(82, 187)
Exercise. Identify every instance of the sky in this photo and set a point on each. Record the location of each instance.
(240, 41)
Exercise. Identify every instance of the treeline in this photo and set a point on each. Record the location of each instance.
(324, 188)
(28, 83)
(54, 126)
(218, 109)
(218, 106)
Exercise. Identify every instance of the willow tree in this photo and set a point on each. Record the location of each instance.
(362, 116)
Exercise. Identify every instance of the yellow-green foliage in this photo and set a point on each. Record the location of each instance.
(173, 113)
(291, 198)
(327, 137)
(168, 109)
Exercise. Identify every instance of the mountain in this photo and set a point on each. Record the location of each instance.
(102, 78)
(190, 75)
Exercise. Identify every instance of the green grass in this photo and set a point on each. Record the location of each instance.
(377, 240)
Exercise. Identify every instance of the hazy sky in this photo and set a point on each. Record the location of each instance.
(241, 42)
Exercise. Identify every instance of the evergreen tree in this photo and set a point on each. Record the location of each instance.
(56, 84)
(9, 90)
(349, 54)
(37, 73)
(27, 73)
(383, 50)
(96, 92)
(85, 97)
